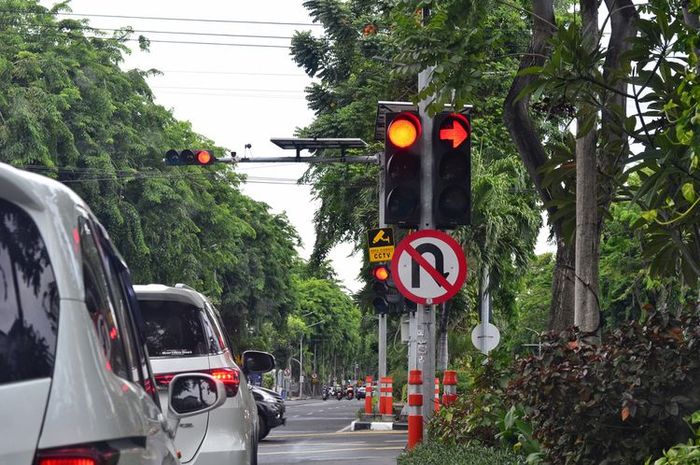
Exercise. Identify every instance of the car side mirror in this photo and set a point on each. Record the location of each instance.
(194, 393)
(255, 361)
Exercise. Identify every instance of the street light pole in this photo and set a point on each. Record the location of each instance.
(301, 356)
(301, 365)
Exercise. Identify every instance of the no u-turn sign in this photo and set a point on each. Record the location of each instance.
(429, 267)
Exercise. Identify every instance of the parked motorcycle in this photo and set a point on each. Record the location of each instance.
(326, 393)
(339, 394)
(350, 392)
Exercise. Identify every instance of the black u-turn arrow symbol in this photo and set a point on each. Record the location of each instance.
(435, 251)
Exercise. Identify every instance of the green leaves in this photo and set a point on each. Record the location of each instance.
(613, 402)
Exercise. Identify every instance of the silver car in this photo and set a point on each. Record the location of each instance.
(75, 383)
(184, 333)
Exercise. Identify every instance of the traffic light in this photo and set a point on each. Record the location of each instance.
(386, 296)
(189, 157)
(401, 169)
(452, 182)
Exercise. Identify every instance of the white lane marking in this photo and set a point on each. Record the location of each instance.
(347, 428)
(310, 413)
(296, 452)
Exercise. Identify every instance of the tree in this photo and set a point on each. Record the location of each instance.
(351, 61)
(68, 111)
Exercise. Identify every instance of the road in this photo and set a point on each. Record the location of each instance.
(318, 432)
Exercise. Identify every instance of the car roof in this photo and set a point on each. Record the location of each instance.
(55, 209)
(169, 293)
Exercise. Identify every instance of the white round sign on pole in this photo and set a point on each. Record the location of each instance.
(485, 337)
(429, 267)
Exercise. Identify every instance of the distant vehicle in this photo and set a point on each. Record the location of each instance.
(184, 332)
(361, 393)
(350, 392)
(271, 410)
(76, 386)
(326, 393)
(339, 393)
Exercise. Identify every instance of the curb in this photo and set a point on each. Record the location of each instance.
(378, 426)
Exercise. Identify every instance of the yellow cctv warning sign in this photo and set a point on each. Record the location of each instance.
(381, 244)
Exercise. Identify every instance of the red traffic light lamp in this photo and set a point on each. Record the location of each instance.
(380, 273)
(404, 130)
(452, 156)
(401, 168)
(189, 157)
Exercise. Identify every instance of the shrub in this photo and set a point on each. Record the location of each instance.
(617, 402)
(683, 454)
(475, 414)
(434, 453)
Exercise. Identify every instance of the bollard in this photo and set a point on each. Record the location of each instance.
(368, 395)
(386, 399)
(415, 408)
(449, 381)
(436, 397)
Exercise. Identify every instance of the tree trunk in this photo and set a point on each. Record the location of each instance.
(528, 142)
(442, 349)
(561, 314)
(586, 308)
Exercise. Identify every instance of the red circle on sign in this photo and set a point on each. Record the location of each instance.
(451, 288)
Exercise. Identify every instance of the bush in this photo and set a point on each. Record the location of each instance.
(618, 402)
(475, 414)
(683, 454)
(440, 454)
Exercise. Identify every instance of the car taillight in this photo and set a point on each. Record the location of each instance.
(229, 376)
(100, 454)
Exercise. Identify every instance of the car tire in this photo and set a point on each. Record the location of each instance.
(263, 429)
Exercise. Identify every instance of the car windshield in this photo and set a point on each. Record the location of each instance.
(29, 300)
(173, 329)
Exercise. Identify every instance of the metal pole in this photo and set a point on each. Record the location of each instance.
(382, 346)
(426, 323)
(382, 317)
(301, 365)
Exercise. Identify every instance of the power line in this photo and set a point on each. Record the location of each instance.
(212, 94)
(222, 89)
(184, 33)
(233, 73)
(158, 41)
(200, 20)
(190, 33)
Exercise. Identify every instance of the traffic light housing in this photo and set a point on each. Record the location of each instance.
(386, 296)
(401, 168)
(451, 143)
(189, 157)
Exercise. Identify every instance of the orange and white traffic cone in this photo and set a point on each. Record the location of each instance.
(436, 399)
(449, 381)
(415, 408)
(368, 395)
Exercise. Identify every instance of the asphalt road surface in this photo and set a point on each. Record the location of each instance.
(318, 432)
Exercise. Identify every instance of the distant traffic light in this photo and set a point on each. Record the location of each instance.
(452, 181)
(189, 157)
(386, 296)
(401, 169)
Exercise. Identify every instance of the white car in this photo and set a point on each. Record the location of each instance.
(75, 382)
(184, 333)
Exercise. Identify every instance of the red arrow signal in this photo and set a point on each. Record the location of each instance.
(458, 133)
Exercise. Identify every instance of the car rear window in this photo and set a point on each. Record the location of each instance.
(174, 329)
(29, 300)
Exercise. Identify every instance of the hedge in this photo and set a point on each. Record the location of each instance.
(441, 454)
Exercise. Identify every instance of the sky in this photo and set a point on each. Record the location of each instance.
(233, 94)
(245, 92)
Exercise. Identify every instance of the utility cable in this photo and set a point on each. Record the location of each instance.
(159, 18)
